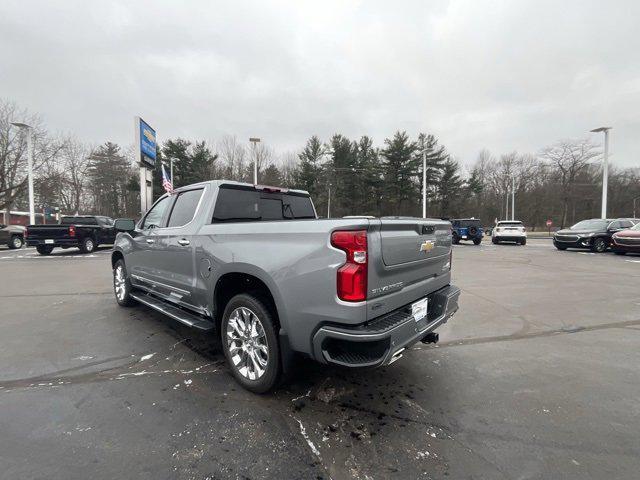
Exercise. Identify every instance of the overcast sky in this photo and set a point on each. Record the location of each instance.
(498, 75)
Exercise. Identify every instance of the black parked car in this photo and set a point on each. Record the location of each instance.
(12, 235)
(594, 234)
(85, 232)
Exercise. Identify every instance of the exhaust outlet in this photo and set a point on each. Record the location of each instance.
(431, 337)
(396, 356)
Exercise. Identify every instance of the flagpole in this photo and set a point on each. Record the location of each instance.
(172, 182)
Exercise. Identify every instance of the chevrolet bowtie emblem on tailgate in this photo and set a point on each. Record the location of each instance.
(427, 246)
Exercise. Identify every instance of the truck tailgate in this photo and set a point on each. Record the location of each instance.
(42, 232)
(408, 259)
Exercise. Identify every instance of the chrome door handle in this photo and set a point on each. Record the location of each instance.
(184, 242)
(149, 241)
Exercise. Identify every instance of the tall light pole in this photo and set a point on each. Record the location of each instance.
(329, 202)
(424, 183)
(605, 168)
(255, 141)
(513, 198)
(29, 133)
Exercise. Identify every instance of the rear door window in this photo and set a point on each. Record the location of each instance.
(241, 204)
(184, 209)
(78, 221)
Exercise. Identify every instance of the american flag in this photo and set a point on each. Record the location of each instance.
(167, 182)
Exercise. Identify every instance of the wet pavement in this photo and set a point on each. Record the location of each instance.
(535, 377)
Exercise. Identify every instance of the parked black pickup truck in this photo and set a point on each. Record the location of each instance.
(85, 232)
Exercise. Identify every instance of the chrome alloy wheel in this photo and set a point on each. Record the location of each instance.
(247, 343)
(119, 283)
(89, 245)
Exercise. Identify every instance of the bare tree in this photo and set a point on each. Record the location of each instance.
(13, 152)
(569, 158)
(233, 157)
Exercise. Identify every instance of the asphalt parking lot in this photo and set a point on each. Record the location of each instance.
(535, 377)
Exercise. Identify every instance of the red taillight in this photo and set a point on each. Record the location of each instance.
(26, 232)
(352, 276)
(72, 231)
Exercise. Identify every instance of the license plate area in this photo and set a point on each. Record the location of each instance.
(48, 241)
(419, 309)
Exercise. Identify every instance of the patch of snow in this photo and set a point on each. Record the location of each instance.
(146, 357)
(303, 432)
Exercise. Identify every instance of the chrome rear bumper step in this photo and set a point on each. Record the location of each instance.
(182, 316)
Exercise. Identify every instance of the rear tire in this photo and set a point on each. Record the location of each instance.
(250, 343)
(44, 249)
(16, 242)
(122, 285)
(599, 245)
(88, 245)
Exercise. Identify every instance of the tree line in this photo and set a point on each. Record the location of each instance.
(344, 176)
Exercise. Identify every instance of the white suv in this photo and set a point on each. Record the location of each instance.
(509, 231)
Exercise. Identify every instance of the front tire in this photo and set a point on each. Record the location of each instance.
(494, 240)
(250, 343)
(599, 245)
(476, 241)
(16, 242)
(523, 241)
(455, 239)
(559, 247)
(122, 285)
(88, 245)
(44, 249)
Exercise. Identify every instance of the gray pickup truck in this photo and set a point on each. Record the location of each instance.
(255, 265)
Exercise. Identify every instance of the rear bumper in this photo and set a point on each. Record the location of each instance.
(378, 341)
(510, 237)
(34, 242)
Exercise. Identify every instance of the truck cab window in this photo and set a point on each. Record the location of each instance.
(185, 208)
(155, 215)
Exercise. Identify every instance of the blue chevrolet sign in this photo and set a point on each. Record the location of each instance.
(147, 143)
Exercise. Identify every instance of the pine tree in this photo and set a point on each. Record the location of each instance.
(449, 187)
(310, 167)
(400, 169)
(370, 184)
(109, 172)
(272, 176)
(342, 173)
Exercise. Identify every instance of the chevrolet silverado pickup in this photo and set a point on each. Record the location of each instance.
(85, 232)
(254, 265)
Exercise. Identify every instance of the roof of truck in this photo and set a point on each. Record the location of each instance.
(218, 183)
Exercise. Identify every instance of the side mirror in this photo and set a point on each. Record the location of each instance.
(124, 225)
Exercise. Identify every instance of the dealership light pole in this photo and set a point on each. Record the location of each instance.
(513, 198)
(424, 183)
(28, 130)
(255, 141)
(605, 168)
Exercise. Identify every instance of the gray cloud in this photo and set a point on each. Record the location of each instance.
(498, 75)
